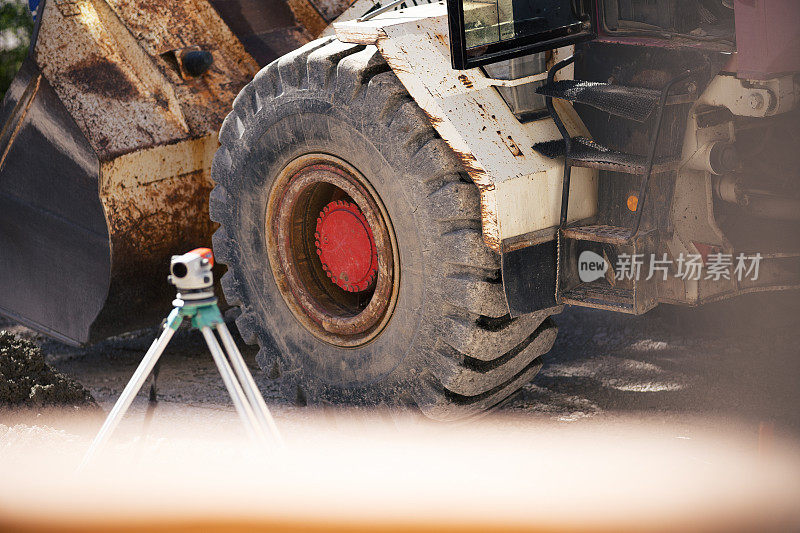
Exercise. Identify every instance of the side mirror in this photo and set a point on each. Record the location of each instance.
(486, 31)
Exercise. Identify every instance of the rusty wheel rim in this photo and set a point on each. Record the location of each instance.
(346, 318)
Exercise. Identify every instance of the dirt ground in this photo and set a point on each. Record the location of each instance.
(729, 363)
(692, 413)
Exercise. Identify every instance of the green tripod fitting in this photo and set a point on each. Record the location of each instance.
(202, 314)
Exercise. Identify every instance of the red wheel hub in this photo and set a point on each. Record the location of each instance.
(346, 247)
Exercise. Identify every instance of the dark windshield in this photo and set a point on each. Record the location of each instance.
(493, 21)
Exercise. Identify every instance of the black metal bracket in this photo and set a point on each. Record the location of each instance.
(567, 174)
(651, 154)
(565, 180)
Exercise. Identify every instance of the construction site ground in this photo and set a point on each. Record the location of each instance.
(683, 409)
(730, 362)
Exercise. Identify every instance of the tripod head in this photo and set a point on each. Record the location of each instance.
(191, 274)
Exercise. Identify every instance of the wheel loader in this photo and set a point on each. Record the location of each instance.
(404, 198)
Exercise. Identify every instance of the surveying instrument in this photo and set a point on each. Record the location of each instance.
(191, 274)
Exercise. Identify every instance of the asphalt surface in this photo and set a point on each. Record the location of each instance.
(729, 363)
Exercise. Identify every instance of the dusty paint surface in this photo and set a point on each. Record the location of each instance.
(115, 67)
(471, 116)
(156, 204)
(156, 198)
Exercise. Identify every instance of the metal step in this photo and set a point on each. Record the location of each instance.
(587, 153)
(634, 103)
(600, 295)
(597, 233)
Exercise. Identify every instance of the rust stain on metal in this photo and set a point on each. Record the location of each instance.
(395, 63)
(156, 201)
(510, 144)
(156, 205)
(147, 225)
(330, 9)
(308, 16)
(312, 303)
(148, 222)
(68, 8)
(490, 226)
(100, 76)
(435, 121)
(158, 163)
(489, 214)
(598, 233)
(531, 238)
(358, 35)
(470, 165)
(465, 113)
(108, 67)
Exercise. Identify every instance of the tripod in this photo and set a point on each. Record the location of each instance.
(206, 317)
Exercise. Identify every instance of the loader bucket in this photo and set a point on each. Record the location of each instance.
(106, 142)
(54, 245)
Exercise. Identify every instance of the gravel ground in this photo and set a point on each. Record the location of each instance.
(734, 362)
(728, 363)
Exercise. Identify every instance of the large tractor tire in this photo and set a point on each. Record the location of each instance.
(352, 237)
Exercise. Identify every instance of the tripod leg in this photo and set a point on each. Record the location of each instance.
(133, 387)
(248, 384)
(152, 400)
(234, 389)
